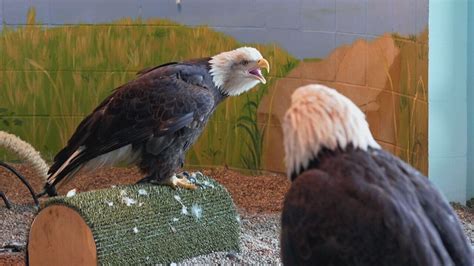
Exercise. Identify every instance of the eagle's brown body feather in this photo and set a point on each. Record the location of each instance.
(357, 207)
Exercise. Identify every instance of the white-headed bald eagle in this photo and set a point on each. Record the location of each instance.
(154, 119)
(352, 203)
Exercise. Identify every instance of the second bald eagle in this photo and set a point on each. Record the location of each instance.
(154, 119)
(352, 203)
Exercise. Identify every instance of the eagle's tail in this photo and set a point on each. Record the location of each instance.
(62, 170)
(69, 162)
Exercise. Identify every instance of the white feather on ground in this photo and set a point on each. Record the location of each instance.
(71, 193)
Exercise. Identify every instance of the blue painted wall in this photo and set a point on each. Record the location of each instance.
(470, 102)
(319, 25)
(448, 52)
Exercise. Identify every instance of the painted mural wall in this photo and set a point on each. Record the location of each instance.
(60, 58)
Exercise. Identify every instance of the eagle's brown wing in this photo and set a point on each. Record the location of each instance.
(157, 104)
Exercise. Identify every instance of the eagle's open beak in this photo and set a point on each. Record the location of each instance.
(257, 73)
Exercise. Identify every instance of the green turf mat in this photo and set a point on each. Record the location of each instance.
(147, 224)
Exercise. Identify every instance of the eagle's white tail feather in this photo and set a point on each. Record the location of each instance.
(66, 163)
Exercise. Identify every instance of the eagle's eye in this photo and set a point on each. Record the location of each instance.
(244, 62)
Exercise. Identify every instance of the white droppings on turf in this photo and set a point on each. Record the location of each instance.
(172, 228)
(196, 210)
(71, 193)
(142, 192)
(175, 219)
(128, 201)
(110, 203)
(135, 229)
(123, 193)
(184, 209)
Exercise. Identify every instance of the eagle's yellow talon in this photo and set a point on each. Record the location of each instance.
(176, 182)
(184, 183)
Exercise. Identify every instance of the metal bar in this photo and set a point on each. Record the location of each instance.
(11, 169)
(5, 199)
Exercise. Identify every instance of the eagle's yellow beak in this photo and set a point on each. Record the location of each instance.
(263, 63)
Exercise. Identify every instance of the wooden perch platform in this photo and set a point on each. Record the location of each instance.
(136, 224)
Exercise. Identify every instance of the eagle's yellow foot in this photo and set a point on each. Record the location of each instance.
(182, 182)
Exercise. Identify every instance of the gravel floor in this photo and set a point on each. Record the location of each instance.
(14, 225)
(259, 199)
(466, 215)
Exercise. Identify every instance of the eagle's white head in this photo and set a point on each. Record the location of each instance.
(320, 117)
(239, 70)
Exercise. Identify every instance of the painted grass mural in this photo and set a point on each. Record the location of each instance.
(412, 124)
(386, 77)
(52, 77)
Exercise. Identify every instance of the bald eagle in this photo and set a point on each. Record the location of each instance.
(154, 119)
(352, 203)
